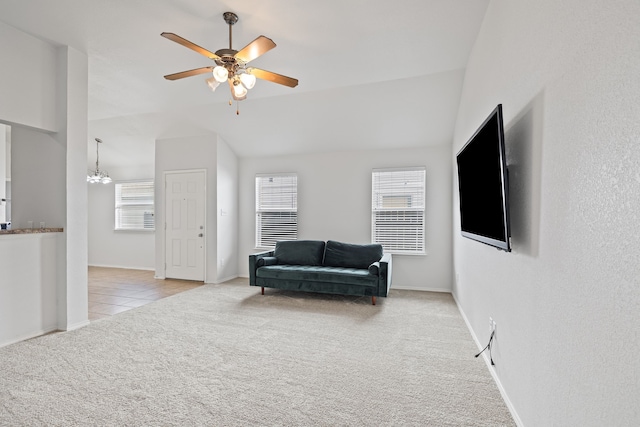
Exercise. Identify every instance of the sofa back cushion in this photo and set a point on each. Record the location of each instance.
(338, 254)
(300, 252)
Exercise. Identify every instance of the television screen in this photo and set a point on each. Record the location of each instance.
(483, 185)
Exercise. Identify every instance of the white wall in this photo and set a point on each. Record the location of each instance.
(48, 113)
(200, 152)
(35, 198)
(566, 299)
(27, 80)
(227, 212)
(28, 303)
(3, 170)
(110, 248)
(334, 203)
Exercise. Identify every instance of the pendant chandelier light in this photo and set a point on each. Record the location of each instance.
(98, 176)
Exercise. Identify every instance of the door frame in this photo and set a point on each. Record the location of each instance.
(164, 217)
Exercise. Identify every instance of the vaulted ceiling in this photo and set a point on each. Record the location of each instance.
(373, 74)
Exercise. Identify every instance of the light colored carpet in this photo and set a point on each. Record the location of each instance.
(224, 355)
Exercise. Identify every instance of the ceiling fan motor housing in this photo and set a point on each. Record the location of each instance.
(228, 61)
(230, 18)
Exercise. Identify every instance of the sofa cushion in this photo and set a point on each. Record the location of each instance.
(338, 254)
(300, 252)
(350, 276)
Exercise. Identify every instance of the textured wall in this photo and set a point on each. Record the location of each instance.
(567, 299)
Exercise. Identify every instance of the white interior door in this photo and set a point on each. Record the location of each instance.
(185, 225)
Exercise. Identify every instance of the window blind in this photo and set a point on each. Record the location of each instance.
(397, 209)
(276, 209)
(135, 206)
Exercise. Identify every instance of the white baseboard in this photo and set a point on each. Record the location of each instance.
(487, 361)
(27, 336)
(127, 267)
(415, 288)
(77, 325)
(224, 279)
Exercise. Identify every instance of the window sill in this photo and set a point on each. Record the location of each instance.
(407, 253)
(134, 230)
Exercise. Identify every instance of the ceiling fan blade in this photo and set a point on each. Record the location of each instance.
(258, 47)
(183, 74)
(186, 43)
(273, 77)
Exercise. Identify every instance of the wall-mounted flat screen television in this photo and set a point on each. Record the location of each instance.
(483, 185)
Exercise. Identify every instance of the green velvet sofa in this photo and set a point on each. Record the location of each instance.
(331, 267)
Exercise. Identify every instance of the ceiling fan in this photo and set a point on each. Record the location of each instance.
(231, 64)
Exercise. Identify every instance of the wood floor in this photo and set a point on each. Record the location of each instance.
(114, 290)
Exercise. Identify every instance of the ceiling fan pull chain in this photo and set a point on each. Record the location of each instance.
(237, 108)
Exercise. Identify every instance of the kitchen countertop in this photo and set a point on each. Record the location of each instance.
(32, 231)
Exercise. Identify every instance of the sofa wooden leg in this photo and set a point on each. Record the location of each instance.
(373, 300)
(263, 290)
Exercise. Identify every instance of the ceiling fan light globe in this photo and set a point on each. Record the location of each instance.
(248, 80)
(220, 74)
(212, 83)
(239, 90)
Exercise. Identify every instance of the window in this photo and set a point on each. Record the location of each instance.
(276, 209)
(397, 209)
(134, 206)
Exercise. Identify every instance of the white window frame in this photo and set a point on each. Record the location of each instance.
(137, 213)
(399, 224)
(276, 205)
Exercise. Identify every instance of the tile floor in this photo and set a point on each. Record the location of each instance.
(114, 290)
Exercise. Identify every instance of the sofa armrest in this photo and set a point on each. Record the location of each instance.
(253, 264)
(267, 260)
(384, 279)
(374, 268)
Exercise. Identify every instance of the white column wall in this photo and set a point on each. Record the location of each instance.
(227, 212)
(73, 118)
